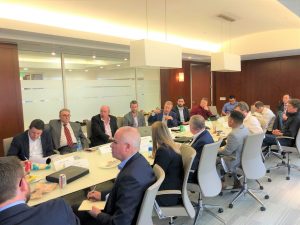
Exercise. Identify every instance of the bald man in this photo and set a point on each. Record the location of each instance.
(104, 127)
(135, 176)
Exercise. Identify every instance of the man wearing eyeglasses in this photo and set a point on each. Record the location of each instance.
(66, 134)
(15, 193)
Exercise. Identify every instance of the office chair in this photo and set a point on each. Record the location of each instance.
(186, 208)
(209, 182)
(286, 150)
(252, 167)
(145, 214)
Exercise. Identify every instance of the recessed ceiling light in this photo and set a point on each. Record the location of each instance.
(101, 67)
(25, 69)
(94, 57)
(53, 53)
(190, 57)
(86, 70)
(70, 70)
(118, 65)
(125, 59)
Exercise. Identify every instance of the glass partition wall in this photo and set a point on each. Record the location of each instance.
(83, 84)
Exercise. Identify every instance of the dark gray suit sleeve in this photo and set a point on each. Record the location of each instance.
(15, 149)
(129, 193)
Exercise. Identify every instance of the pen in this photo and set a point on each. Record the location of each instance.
(94, 188)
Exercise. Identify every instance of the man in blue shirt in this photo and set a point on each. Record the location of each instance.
(135, 176)
(229, 106)
(15, 193)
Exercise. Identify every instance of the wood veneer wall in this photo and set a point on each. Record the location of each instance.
(264, 79)
(11, 113)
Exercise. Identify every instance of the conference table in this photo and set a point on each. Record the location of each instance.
(98, 160)
(99, 172)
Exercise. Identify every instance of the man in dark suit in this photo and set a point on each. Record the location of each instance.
(104, 127)
(290, 127)
(136, 175)
(66, 134)
(201, 137)
(182, 112)
(35, 142)
(166, 115)
(15, 192)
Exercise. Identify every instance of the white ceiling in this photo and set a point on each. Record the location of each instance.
(194, 20)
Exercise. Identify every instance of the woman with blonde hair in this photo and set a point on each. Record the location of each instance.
(167, 155)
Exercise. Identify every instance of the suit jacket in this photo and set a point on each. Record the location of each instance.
(171, 163)
(234, 146)
(203, 139)
(48, 213)
(159, 117)
(123, 204)
(186, 114)
(291, 126)
(98, 136)
(55, 129)
(20, 145)
(128, 119)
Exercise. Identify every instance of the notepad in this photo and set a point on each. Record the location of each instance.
(87, 205)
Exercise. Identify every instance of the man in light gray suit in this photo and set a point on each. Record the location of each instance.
(65, 134)
(134, 118)
(235, 143)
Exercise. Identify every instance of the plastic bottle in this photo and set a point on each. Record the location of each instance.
(79, 146)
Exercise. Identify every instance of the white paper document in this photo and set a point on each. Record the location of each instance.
(87, 205)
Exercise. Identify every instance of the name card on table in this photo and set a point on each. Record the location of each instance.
(60, 163)
(145, 143)
(104, 148)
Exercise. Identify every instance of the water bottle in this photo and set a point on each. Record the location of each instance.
(150, 151)
(79, 146)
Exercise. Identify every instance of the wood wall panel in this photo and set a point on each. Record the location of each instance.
(265, 80)
(171, 89)
(11, 113)
(200, 82)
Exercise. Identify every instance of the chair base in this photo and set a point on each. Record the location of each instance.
(285, 164)
(205, 207)
(245, 190)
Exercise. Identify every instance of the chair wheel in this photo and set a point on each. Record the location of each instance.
(283, 162)
(269, 180)
(283, 156)
(268, 171)
(221, 193)
(220, 210)
(261, 187)
(262, 208)
(287, 178)
(267, 196)
(230, 206)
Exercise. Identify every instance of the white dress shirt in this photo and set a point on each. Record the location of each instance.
(252, 123)
(266, 118)
(35, 148)
(63, 139)
(180, 109)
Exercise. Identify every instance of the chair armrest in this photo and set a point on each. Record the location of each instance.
(56, 151)
(169, 192)
(284, 137)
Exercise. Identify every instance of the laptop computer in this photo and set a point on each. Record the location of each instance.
(72, 173)
(145, 131)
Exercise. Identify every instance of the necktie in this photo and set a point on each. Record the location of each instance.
(68, 136)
